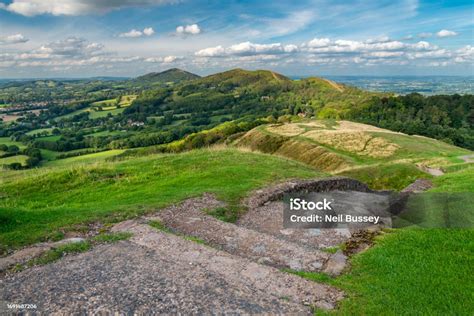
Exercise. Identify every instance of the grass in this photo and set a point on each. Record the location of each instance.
(83, 159)
(97, 114)
(36, 205)
(227, 214)
(19, 158)
(458, 181)
(57, 253)
(412, 271)
(394, 176)
(7, 141)
(40, 130)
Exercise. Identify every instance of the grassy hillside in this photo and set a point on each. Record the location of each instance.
(36, 205)
(173, 75)
(382, 158)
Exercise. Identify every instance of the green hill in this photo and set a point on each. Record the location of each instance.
(171, 75)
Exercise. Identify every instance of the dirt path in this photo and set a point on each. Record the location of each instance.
(334, 85)
(467, 158)
(436, 172)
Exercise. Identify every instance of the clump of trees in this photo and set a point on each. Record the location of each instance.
(33, 154)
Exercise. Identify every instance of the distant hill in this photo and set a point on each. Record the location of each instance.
(171, 75)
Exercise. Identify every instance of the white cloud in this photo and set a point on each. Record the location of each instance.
(446, 33)
(164, 60)
(211, 52)
(131, 33)
(319, 42)
(75, 7)
(465, 54)
(425, 35)
(192, 29)
(13, 39)
(247, 49)
(148, 31)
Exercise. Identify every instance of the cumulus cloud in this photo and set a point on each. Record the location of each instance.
(75, 7)
(192, 29)
(164, 60)
(148, 31)
(247, 49)
(446, 33)
(341, 52)
(13, 39)
(327, 46)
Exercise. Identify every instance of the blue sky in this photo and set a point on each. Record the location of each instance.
(80, 38)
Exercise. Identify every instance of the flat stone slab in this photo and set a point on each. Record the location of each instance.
(189, 219)
(268, 219)
(159, 273)
(28, 253)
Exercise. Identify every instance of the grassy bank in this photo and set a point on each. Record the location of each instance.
(36, 206)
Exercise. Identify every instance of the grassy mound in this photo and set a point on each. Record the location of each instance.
(381, 158)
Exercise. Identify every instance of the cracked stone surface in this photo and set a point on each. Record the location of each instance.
(159, 273)
(189, 219)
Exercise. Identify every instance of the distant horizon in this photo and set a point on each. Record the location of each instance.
(291, 76)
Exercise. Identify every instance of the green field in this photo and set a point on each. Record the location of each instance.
(7, 141)
(84, 159)
(37, 204)
(19, 158)
(110, 104)
(40, 130)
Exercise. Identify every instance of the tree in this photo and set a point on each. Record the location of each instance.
(13, 149)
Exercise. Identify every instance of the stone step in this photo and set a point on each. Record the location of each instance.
(239, 272)
(268, 219)
(189, 219)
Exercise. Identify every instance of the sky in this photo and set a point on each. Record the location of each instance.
(86, 38)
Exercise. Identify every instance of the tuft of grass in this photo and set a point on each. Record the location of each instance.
(112, 237)
(226, 214)
(195, 239)
(160, 226)
(57, 253)
(331, 249)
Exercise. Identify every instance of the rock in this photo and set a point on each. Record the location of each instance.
(336, 264)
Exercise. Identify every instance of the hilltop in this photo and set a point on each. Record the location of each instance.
(171, 75)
